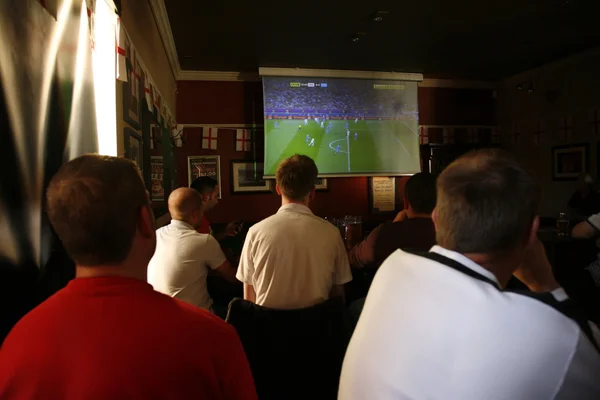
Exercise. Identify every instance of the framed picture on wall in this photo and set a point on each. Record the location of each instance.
(569, 161)
(321, 184)
(248, 177)
(133, 147)
(382, 194)
(156, 177)
(132, 106)
(204, 166)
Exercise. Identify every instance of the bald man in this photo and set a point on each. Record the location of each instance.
(183, 256)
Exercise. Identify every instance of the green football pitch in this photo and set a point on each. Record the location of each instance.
(379, 148)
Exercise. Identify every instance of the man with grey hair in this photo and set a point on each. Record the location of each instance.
(440, 325)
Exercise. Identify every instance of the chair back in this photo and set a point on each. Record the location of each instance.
(293, 354)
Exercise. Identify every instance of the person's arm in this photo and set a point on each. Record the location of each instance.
(587, 229)
(536, 272)
(227, 272)
(216, 260)
(363, 254)
(249, 293)
(341, 273)
(232, 229)
(246, 269)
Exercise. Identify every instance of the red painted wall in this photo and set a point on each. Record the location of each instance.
(203, 102)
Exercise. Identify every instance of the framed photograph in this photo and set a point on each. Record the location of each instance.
(382, 194)
(321, 184)
(156, 177)
(133, 147)
(132, 105)
(248, 177)
(204, 166)
(569, 161)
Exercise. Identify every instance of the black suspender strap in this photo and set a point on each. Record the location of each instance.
(568, 308)
(457, 266)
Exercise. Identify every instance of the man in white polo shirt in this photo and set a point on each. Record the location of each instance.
(183, 256)
(438, 325)
(294, 259)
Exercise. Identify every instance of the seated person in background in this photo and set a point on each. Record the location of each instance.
(294, 259)
(440, 325)
(183, 256)
(209, 190)
(108, 335)
(586, 200)
(589, 229)
(412, 228)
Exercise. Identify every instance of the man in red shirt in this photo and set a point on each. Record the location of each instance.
(209, 189)
(108, 335)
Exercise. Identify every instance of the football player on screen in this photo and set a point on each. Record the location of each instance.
(312, 142)
(337, 149)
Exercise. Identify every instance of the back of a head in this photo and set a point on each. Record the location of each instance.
(93, 204)
(296, 176)
(420, 192)
(204, 184)
(486, 203)
(183, 201)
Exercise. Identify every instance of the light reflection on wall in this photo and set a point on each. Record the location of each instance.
(104, 63)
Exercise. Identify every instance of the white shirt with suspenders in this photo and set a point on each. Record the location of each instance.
(438, 326)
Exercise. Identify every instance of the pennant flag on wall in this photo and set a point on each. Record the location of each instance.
(448, 135)
(424, 135)
(148, 92)
(51, 6)
(243, 140)
(121, 53)
(496, 135)
(516, 134)
(566, 128)
(209, 138)
(538, 134)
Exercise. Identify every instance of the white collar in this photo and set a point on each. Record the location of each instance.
(295, 207)
(465, 261)
(181, 225)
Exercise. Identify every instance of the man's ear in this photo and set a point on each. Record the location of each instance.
(278, 190)
(146, 223)
(312, 193)
(533, 231)
(405, 202)
(434, 219)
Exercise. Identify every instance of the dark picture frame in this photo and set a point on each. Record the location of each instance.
(132, 106)
(570, 161)
(248, 177)
(379, 190)
(134, 148)
(157, 192)
(321, 185)
(205, 166)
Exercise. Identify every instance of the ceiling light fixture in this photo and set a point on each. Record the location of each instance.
(379, 15)
(355, 39)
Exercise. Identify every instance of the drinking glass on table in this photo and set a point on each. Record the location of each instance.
(562, 224)
(352, 230)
